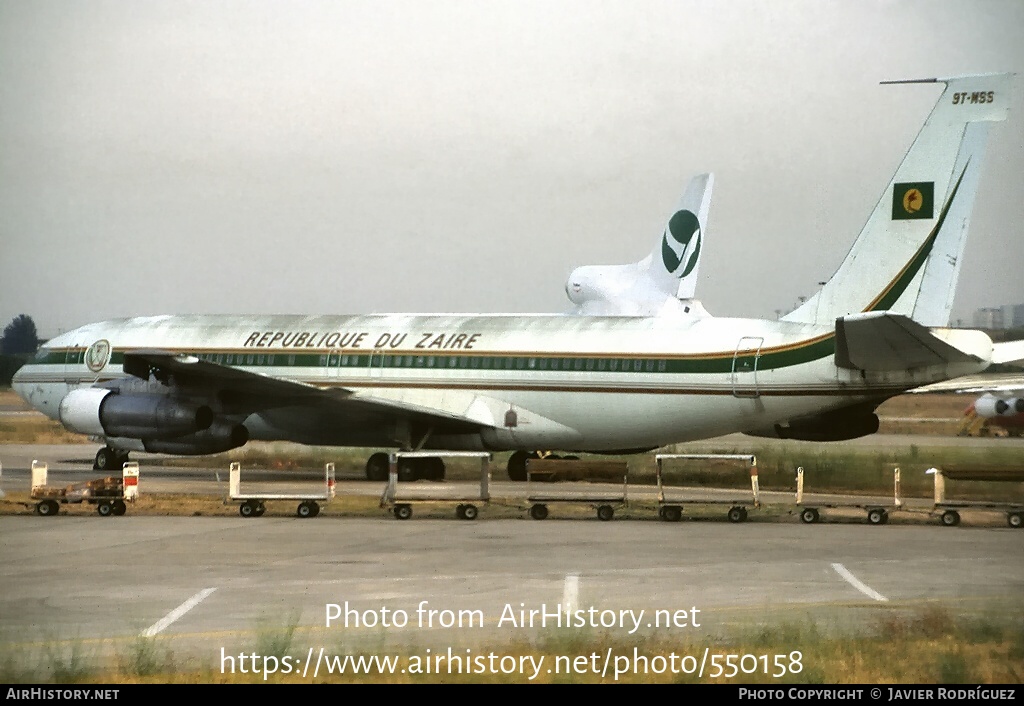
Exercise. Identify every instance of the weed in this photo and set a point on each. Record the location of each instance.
(145, 656)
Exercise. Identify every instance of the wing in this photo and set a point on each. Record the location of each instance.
(242, 392)
(977, 384)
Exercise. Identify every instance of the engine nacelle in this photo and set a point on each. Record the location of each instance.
(101, 412)
(990, 406)
(221, 436)
(840, 425)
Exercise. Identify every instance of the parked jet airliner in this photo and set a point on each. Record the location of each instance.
(626, 382)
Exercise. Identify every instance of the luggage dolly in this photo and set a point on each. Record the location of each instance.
(252, 504)
(109, 494)
(878, 513)
(671, 509)
(465, 507)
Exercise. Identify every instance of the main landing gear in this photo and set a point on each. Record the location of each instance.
(517, 462)
(378, 466)
(108, 459)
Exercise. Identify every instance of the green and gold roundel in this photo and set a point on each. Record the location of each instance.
(913, 200)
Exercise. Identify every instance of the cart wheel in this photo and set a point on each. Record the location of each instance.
(47, 508)
(737, 514)
(308, 508)
(460, 511)
(105, 509)
(539, 512)
(120, 508)
(469, 512)
(248, 509)
(809, 515)
(605, 513)
(403, 512)
(876, 516)
(260, 509)
(1013, 519)
(672, 513)
(950, 518)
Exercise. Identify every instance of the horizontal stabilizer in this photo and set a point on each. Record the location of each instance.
(1008, 352)
(882, 341)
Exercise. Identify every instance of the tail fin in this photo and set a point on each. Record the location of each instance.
(662, 278)
(907, 257)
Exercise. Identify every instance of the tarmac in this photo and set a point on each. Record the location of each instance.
(204, 584)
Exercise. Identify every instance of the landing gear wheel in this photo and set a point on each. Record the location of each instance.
(1014, 519)
(433, 469)
(408, 469)
(119, 507)
(950, 518)
(105, 509)
(47, 508)
(605, 513)
(377, 466)
(308, 508)
(809, 515)
(403, 512)
(517, 465)
(469, 512)
(671, 513)
(539, 512)
(737, 514)
(249, 508)
(106, 458)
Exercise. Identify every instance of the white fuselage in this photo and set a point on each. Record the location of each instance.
(532, 382)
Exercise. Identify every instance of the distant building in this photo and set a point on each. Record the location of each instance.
(1001, 317)
(1013, 316)
(991, 318)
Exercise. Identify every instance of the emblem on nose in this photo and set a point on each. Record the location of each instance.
(98, 355)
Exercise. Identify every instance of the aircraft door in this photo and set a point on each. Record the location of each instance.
(72, 362)
(375, 367)
(744, 367)
(337, 361)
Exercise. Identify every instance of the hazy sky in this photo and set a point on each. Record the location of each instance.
(350, 157)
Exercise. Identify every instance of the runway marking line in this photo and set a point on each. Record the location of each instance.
(858, 584)
(570, 592)
(166, 621)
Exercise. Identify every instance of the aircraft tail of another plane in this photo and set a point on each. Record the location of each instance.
(660, 280)
(907, 257)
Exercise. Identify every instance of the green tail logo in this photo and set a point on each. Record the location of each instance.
(913, 200)
(684, 229)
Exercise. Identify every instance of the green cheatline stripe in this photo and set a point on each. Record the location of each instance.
(812, 350)
(888, 298)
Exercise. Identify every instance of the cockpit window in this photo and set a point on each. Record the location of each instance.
(42, 354)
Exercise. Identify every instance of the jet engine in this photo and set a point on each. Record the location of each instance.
(989, 406)
(101, 412)
(219, 437)
(838, 425)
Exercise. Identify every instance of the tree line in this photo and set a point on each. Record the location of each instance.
(18, 344)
